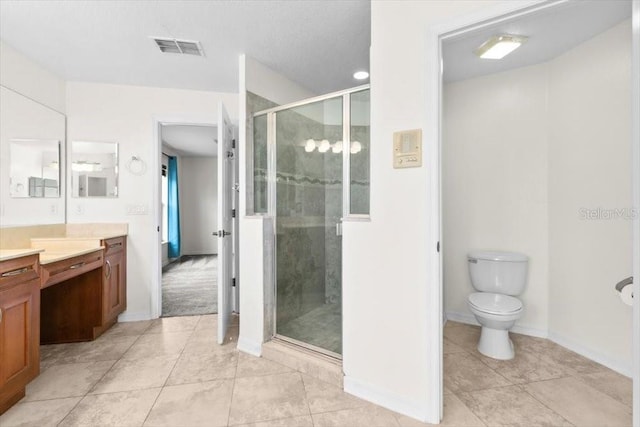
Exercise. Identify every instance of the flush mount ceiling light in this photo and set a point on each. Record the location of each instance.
(360, 75)
(186, 47)
(497, 47)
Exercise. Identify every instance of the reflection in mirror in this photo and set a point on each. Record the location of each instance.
(34, 168)
(94, 169)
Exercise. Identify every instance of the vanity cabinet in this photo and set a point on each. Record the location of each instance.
(19, 327)
(114, 298)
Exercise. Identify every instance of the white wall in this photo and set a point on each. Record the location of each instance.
(262, 81)
(387, 262)
(22, 75)
(198, 205)
(32, 107)
(494, 183)
(590, 167)
(125, 114)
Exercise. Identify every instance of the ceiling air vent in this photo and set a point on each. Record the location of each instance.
(186, 47)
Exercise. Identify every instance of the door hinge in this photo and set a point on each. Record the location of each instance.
(233, 282)
(158, 229)
(438, 247)
(233, 143)
(233, 213)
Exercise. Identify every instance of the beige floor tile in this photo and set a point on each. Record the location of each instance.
(152, 345)
(510, 406)
(369, 416)
(123, 409)
(42, 414)
(304, 421)
(570, 361)
(526, 367)
(207, 321)
(580, 403)
(450, 347)
(251, 366)
(193, 367)
(464, 372)
(202, 404)
(613, 384)
(456, 414)
(103, 349)
(325, 397)
(528, 344)
(268, 397)
(208, 339)
(70, 380)
(173, 324)
(128, 328)
(136, 374)
(464, 336)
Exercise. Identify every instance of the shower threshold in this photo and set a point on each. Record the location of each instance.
(309, 348)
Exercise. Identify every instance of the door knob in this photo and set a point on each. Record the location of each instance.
(221, 233)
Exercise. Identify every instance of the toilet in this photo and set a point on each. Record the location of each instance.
(497, 278)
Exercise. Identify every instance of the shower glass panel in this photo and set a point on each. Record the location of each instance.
(359, 153)
(260, 164)
(308, 206)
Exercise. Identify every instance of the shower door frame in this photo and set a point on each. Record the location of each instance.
(271, 197)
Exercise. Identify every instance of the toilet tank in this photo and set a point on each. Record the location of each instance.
(498, 272)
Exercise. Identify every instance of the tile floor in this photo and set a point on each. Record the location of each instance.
(544, 385)
(170, 372)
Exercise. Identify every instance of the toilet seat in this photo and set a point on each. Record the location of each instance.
(497, 304)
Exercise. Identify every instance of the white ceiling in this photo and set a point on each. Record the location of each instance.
(191, 141)
(317, 43)
(550, 34)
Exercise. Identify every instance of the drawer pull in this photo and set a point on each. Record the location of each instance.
(0, 315)
(108, 272)
(76, 266)
(115, 244)
(15, 272)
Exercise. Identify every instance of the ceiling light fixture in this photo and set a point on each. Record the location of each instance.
(310, 145)
(497, 47)
(337, 147)
(360, 75)
(324, 146)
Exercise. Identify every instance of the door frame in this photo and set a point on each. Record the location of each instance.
(156, 210)
(457, 26)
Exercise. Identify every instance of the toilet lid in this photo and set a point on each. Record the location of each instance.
(495, 303)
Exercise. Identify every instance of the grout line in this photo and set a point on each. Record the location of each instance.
(233, 389)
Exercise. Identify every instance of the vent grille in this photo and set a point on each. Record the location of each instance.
(186, 47)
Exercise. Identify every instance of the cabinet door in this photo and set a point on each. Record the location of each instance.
(115, 290)
(19, 335)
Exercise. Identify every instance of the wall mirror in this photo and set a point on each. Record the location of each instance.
(34, 168)
(94, 169)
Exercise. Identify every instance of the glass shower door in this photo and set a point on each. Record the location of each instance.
(308, 207)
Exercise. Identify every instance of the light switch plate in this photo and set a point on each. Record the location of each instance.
(407, 149)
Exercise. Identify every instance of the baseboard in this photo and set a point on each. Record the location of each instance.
(470, 319)
(615, 365)
(129, 316)
(251, 347)
(383, 398)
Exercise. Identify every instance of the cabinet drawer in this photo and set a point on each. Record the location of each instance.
(115, 245)
(62, 270)
(18, 270)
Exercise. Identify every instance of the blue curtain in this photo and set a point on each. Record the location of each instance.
(173, 214)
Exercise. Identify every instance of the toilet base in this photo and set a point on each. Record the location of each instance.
(495, 343)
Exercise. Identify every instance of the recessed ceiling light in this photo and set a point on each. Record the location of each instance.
(497, 47)
(360, 75)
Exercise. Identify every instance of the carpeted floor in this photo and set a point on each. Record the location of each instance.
(189, 286)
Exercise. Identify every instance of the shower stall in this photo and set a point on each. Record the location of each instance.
(303, 153)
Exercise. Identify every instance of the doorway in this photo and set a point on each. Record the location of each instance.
(189, 207)
(542, 211)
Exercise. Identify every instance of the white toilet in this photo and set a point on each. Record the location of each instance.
(497, 276)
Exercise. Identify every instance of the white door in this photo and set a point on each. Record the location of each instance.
(225, 224)
(635, 113)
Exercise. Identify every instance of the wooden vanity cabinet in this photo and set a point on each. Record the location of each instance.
(114, 298)
(19, 327)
